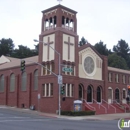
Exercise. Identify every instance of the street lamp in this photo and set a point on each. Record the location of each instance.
(58, 76)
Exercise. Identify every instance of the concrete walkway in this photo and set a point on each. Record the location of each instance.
(92, 117)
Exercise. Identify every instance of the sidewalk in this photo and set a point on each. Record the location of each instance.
(92, 117)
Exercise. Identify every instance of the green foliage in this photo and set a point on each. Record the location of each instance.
(117, 61)
(36, 48)
(6, 47)
(122, 49)
(83, 41)
(77, 113)
(102, 49)
(23, 52)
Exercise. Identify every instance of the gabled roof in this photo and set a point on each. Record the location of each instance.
(92, 47)
(3, 60)
(14, 62)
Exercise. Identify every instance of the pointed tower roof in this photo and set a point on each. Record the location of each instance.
(59, 6)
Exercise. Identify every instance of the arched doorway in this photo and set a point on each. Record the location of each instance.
(110, 95)
(98, 94)
(89, 94)
(117, 95)
(80, 91)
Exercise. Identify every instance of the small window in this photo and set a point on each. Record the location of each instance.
(44, 70)
(43, 92)
(2, 83)
(117, 78)
(51, 89)
(47, 89)
(109, 93)
(36, 80)
(124, 94)
(72, 90)
(110, 77)
(12, 83)
(48, 68)
(129, 80)
(124, 79)
(68, 90)
(24, 81)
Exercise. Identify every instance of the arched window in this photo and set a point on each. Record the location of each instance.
(98, 94)
(2, 83)
(24, 81)
(117, 95)
(12, 83)
(35, 79)
(124, 93)
(89, 94)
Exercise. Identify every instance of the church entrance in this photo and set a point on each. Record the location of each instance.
(110, 95)
(98, 94)
(80, 91)
(89, 94)
(117, 95)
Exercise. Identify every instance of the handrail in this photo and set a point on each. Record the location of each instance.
(101, 105)
(109, 104)
(105, 102)
(128, 106)
(120, 105)
(89, 105)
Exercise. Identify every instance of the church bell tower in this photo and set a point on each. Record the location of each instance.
(59, 30)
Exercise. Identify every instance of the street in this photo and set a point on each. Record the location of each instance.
(16, 120)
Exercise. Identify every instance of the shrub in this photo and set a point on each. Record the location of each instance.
(77, 113)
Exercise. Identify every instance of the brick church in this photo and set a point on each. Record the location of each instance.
(91, 79)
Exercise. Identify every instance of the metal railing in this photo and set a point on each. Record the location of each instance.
(109, 104)
(100, 105)
(121, 107)
(128, 106)
(89, 106)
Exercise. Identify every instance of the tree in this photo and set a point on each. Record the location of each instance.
(23, 52)
(37, 48)
(122, 49)
(6, 47)
(102, 49)
(83, 41)
(117, 61)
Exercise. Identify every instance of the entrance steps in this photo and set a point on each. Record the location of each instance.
(104, 108)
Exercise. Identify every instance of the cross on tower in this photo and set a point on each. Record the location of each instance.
(48, 44)
(69, 46)
(59, 1)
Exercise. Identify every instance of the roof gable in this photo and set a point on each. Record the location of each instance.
(88, 45)
(4, 59)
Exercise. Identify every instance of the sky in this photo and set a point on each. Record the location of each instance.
(105, 20)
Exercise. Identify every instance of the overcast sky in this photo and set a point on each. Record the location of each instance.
(105, 20)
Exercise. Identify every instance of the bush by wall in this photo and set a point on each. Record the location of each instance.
(77, 113)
